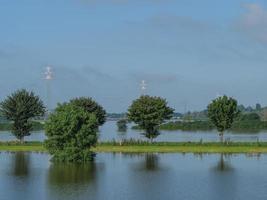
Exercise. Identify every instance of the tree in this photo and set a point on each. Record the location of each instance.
(91, 106)
(71, 132)
(222, 112)
(249, 117)
(241, 108)
(20, 107)
(122, 125)
(149, 113)
(258, 107)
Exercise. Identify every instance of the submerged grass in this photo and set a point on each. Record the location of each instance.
(157, 147)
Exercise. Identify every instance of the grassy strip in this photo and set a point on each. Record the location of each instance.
(161, 147)
(27, 146)
(181, 149)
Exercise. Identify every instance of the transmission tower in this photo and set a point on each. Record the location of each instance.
(143, 87)
(48, 78)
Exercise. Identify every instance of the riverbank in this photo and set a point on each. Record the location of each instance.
(161, 147)
(36, 126)
(251, 126)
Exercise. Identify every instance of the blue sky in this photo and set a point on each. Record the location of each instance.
(188, 51)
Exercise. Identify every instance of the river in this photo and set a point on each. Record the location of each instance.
(109, 132)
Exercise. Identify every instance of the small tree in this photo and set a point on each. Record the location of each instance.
(91, 106)
(222, 112)
(122, 125)
(71, 132)
(149, 113)
(20, 107)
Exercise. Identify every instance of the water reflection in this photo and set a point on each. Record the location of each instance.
(60, 173)
(148, 162)
(73, 181)
(151, 162)
(224, 179)
(21, 164)
(135, 176)
(224, 165)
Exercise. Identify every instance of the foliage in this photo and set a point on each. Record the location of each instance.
(20, 107)
(250, 126)
(71, 132)
(222, 112)
(188, 126)
(258, 107)
(122, 125)
(91, 106)
(249, 117)
(149, 113)
(7, 126)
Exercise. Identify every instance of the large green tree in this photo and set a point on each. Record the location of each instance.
(71, 132)
(91, 106)
(21, 107)
(222, 111)
(149, 113)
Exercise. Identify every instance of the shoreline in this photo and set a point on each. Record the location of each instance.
(166, 147)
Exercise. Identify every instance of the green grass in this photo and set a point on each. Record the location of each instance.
(161, 147)
(27, 146)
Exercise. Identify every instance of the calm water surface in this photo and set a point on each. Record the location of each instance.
(109, 132)
(27, 176)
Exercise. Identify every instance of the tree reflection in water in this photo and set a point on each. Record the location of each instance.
(21, 163)
(73, 179)
(62, 173)
(149, 163)
(223, 165)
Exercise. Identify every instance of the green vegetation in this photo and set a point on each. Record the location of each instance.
(20, 107)
(222, 112)
(149, 113)
(181, 149)
(158, 147)
(238, 126)
(92, 107)
(122, 125)
(36, 126)
(26, 146)
(71, 132)
(187, 126)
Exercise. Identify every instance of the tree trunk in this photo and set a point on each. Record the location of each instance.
(151, 140)
(221, 137)
(21, 140)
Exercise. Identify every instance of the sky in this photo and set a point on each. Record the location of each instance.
(188, 51)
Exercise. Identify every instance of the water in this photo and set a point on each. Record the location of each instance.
(134, 176)
(109, 132)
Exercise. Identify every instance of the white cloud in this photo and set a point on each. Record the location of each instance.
(254, 22)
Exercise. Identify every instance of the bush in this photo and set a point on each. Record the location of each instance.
(71, 132)
(122, 125)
